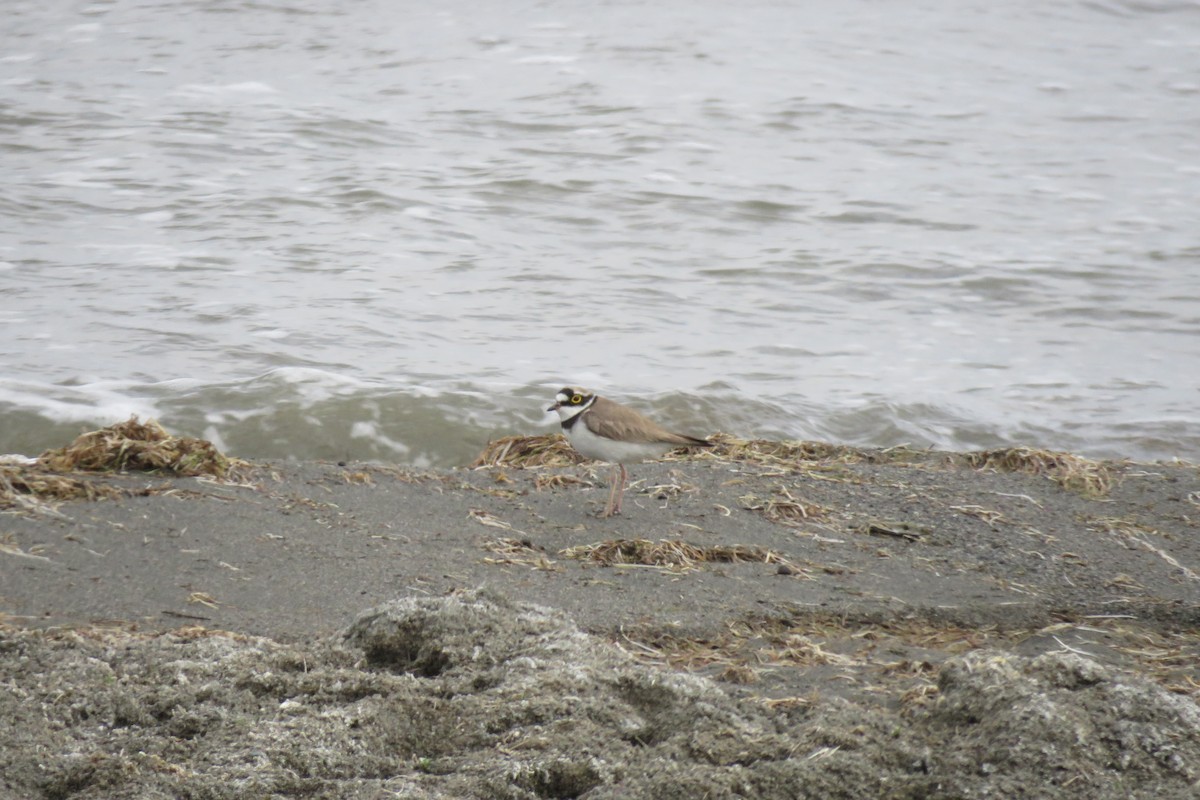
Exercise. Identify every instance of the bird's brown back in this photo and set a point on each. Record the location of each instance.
(616, 421)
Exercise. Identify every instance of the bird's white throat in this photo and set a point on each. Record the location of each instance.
(567, 412)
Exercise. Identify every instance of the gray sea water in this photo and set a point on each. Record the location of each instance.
(391, 230)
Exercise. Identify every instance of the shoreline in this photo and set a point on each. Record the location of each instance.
(1015, 539)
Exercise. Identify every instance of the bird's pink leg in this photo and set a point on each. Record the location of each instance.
(620, 476)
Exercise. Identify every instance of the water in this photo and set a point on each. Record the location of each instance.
(376, 230)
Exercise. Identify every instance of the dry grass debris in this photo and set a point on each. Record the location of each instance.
(898, 658)
(895, 659)
(1172, 658)
(557, 480)
(802, 455)
(521, 552)
(490, 520)
(1091, 478)
(1140, 535)
(9, 547)
(907, 531)
(358, 477)
(138, 446)
(30, 488)
(126, 446)
(673, 554)
(783, 507)
(552, 450)
(989, 515)
(763, 451)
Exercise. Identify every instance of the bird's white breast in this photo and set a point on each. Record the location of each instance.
(611, 450)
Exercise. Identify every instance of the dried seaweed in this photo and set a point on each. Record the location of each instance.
(670, 553)
(763, 451)
(554, 450)
(783, 508)
(520, 552)
(1091, 478)
(138, 446)
(129, 445)
(551, 450)
(30, 487)
(555, 481)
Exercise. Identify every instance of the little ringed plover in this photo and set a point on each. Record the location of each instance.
(606, 431)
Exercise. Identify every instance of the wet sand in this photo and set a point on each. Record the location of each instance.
(844, 623)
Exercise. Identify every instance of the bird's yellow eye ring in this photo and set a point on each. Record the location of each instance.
(576, 400)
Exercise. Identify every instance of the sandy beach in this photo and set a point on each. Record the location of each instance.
(768, 620)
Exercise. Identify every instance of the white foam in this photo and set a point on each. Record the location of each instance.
(364, 429)
(89, 402)
(212, 435)
(312, 385)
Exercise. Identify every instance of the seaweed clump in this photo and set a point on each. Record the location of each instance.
(1090, 478)
(138, 446)
(21, 486)
(551, 450)
(786, 453)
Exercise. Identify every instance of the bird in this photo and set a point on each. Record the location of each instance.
(602, 429)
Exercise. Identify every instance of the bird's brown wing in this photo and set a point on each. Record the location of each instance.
(606, 418)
